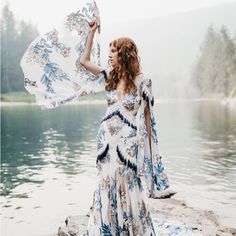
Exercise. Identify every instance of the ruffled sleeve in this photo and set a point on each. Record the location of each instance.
(51, 63)
(149, 162)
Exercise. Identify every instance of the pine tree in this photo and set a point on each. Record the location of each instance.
(215, 70)
(229, 61)
(15, 38)
(8, 39)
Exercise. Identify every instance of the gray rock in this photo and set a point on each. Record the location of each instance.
(75, 226)
(162, 194)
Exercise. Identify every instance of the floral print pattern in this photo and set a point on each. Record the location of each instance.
(125, 162)
(52, 72)
(149, 159)
(121, 209)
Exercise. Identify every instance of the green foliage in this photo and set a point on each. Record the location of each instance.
(215, 71)
(15, 38)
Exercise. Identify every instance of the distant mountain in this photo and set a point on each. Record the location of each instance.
(169, 45)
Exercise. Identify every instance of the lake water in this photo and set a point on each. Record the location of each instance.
(48, 161)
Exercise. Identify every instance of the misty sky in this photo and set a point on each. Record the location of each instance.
(47, 14)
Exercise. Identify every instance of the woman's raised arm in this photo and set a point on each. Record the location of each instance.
(85, 58)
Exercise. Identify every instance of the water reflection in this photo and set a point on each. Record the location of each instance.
(218, 130)
(33, 140)
(48, 160)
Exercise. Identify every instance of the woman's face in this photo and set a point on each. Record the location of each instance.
(113, 56)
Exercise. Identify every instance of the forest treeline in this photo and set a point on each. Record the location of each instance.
(215, 70)
(214, 73)
(15, 38)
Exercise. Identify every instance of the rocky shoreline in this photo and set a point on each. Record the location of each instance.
(203, 221)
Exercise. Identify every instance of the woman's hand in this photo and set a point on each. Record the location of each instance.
(93, 26)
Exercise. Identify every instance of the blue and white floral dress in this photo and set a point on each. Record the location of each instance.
(125, 162)
(128, 169)
(124, 156)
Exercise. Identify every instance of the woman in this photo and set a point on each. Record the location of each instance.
(126, 144)
(62, 65)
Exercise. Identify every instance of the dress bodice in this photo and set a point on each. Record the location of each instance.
(129, 103)
(122, 110)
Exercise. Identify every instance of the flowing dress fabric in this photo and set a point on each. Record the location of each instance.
(119, 202)
(126, 162)
(123, 157)
(149, 160)
(51, 67)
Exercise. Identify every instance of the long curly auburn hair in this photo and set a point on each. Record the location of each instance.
(128, 65)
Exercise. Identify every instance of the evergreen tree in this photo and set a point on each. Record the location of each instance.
(8, 39)
(215, 70)
(229, 61)
(15, 38)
